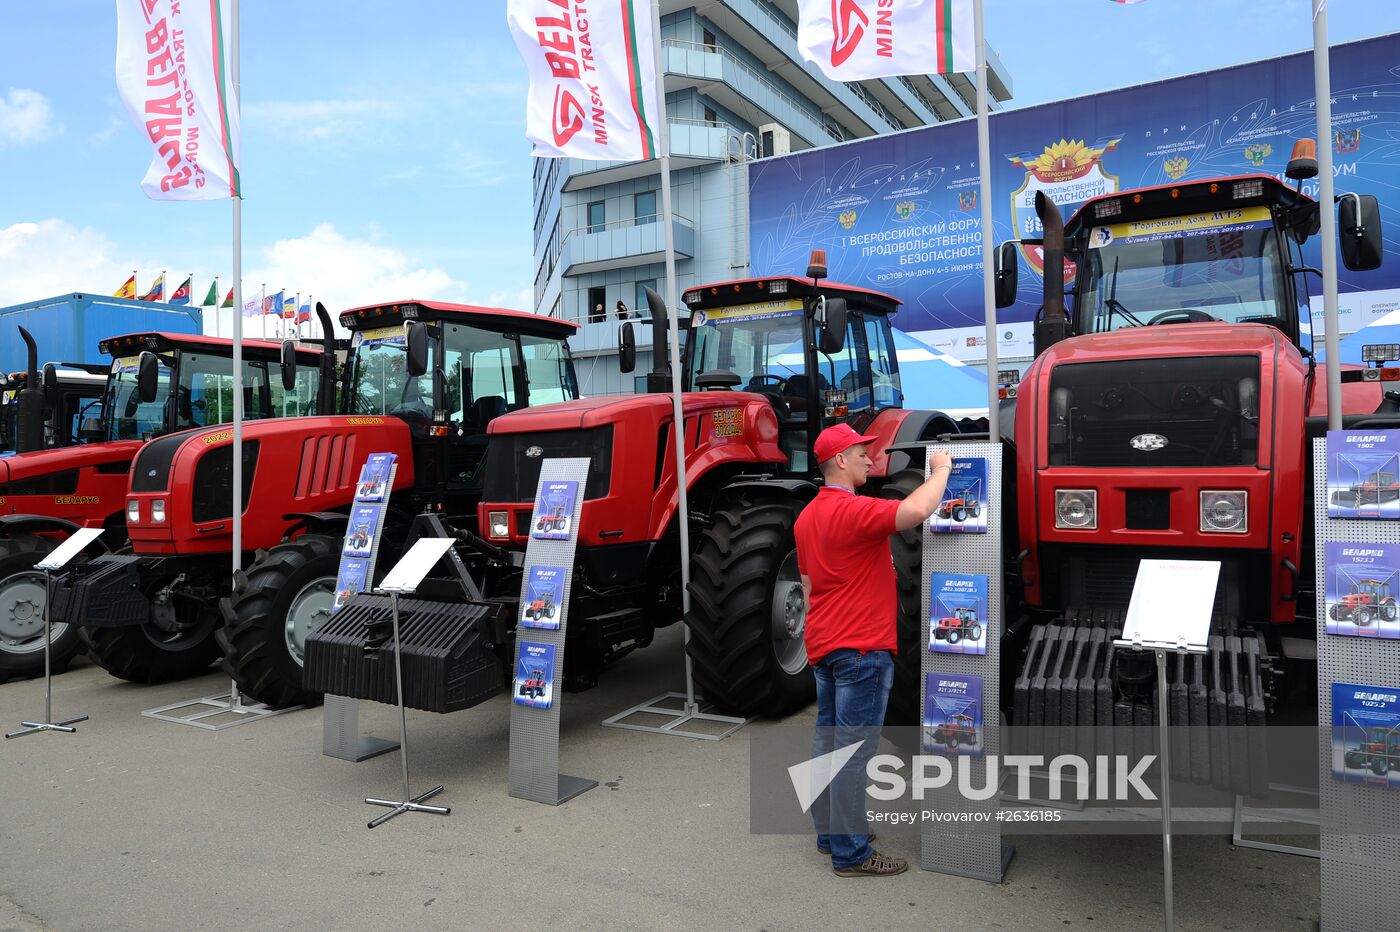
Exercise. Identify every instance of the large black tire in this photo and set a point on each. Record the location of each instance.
(907, 549)
(147, 654)
(735, 574)
(286, 594)
(22, 611)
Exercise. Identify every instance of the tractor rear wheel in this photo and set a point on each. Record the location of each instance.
(907, 549)
(747, 611)
(284, 597)
(22, 611)
(148, 653)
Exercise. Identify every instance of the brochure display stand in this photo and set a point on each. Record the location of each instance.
(1358, 671)
(404, 578)
(56, 559)
(962, 626)
(540, 637)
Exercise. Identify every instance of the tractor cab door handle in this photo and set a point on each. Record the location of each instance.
(1292, 594)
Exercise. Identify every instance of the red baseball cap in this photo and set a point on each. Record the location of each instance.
(838, 438)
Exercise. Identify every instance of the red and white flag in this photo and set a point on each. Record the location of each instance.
(854, 40)
(173, 76)
(593, 88)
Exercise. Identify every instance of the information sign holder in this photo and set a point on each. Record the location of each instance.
(401, 580)
(54, 560)
(1170, 611)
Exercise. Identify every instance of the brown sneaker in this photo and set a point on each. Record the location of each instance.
(877, 865)
(827, 851)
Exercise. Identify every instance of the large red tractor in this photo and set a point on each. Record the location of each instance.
(157, 384)
(422, 380)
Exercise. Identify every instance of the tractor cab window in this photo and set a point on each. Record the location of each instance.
(762, 343)
(204, 395)
(482, 373)
(380, 383)
(125, 416)
(1221, 266)
(549, 370)
(301, 400)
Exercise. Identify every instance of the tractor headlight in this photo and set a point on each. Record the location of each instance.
(1076, 508)
(1225, 512)
(499, 522)
(133, 511)
(158, 510)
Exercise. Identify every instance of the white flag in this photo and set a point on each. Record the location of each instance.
(593, 87)
(253, 307)
(173, 76)
(853, 40)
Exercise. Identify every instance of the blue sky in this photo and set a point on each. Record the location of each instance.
(383, 142)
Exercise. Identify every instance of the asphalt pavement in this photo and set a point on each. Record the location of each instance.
(133, 823)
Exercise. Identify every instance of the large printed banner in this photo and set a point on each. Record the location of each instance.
(900, 214)
(173, 75)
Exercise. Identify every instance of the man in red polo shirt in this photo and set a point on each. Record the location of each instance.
(843, 554)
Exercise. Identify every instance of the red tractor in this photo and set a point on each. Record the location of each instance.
(157, 384)
(959, 509)
(534, 687)
(542, 607)
(422, 380)
(554, 519)
(1379, 752)
(962, 625)
(1369, 600)
(958, 730)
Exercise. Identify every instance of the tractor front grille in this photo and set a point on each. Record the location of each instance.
(513, 461)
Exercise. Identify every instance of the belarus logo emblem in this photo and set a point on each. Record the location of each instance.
(1347, 140)
(1069, 172)
(1257, 153)
(967, 200)
(1175, 168)
(848, 22)
(905, 209)
(847, 218)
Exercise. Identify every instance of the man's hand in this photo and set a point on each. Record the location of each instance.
(924, 500)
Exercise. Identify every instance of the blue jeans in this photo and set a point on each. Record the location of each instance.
(852, 691)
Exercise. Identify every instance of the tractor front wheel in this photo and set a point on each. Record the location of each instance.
(1363, 616)
(1380, 766)
(747, 611)
(152, 653)
(286, 595)
(976, 634)
(960, 513)
(22, 611)
(954, 636)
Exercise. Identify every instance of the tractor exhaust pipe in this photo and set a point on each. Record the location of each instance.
(325, 391)
(29, 402)
(659, 378)
(1052, 324)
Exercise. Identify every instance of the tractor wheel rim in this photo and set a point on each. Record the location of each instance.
(789, 614)
(22, 613)
(308, 611)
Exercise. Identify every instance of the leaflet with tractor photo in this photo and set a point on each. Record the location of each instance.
(542, 601)
(1362, 584)
(964, 507)
(374, 478)
(958, 613)
(354, 572)
(364, 526)
(953, 714)
(534, 675)
(1363, 474)
(1366, 734)
(554, 512)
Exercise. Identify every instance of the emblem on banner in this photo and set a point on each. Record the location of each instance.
(1175, 167)
(1069, 172)
(1257, 153)
(1347, 140)
(847, 218)
(967, 200)
(905, 209)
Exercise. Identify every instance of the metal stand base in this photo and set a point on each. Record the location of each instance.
(230, 704)
(664, 706)
(412, 805)
(1296, 816)
(30, 728)
(340, 732)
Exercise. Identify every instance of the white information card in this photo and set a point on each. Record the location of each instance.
(60, 555)
(1172, 603)
(409, 572)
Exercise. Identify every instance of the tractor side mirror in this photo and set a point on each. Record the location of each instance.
(626, 347)
(417, 340)
(289, 365)
(1008, 272)
(147, 377)
(1359, 232)
(831, 318)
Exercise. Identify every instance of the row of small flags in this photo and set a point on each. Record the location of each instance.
(288, 307)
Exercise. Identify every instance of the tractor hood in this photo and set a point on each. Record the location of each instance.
(1208, 339)
(608, 409)
(41, 463)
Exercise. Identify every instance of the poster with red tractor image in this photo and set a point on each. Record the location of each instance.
(534, 675)
(554, 512)
(958, 613)
(964, 507)
(1363, 585)
(542, 601)
(953, 714)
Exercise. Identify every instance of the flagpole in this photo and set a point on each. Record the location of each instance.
(1326, 199)
(673, 342)
(984, 178)
(237, 490)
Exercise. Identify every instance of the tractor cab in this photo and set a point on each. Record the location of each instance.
(72, 398)
(819, 352)
(161, 383)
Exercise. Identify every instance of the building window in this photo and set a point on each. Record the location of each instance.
(597, 309)
(711, 117)
(645, 207)
(595, 217)
(709, 40)
(640, 306)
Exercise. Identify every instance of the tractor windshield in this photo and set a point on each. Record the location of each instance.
(380, 380)
(1223, 265)
(125, 416)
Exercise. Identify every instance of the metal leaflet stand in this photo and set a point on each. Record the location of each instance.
(402, 579)
(56, 559)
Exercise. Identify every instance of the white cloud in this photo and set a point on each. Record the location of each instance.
(519, 299)
(53, 257)
(25, 118)
(316, 119)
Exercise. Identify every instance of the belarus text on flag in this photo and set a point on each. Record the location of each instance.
(173, 76)
(855, 40)
(593, 88)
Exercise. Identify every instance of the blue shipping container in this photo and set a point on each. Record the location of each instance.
(68, 328)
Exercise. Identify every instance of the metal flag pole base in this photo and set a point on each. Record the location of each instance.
(197, 712)
(678, 711)
(48, 724)
(407, 803)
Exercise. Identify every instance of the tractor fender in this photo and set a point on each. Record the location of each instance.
(801, 488)
(316, 521)
(42, 523)
(916, 427)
